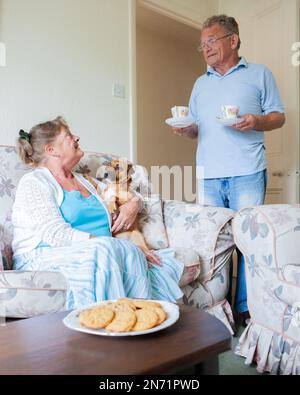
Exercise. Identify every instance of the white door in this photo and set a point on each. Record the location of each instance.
(268, 30)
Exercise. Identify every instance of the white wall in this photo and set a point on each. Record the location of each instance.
(62, 58)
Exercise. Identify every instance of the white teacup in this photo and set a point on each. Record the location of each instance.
(230, 111)
(180, 111)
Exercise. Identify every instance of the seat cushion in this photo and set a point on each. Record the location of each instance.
(24, 294)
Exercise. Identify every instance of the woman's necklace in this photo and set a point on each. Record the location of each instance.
(67, 182)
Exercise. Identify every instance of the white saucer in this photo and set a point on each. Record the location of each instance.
(182, 122)
(230, 121)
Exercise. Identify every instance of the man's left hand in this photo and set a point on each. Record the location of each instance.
(249, 122)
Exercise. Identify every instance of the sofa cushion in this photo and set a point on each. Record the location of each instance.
(91, 162)
(151, 223)
(11, 171)
(25, 294)
(207, 230)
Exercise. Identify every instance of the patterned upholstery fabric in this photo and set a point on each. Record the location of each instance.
(269, 238)
(206, 231)
(151, 223)
(11, 170)
(192, 266)
(26, 294)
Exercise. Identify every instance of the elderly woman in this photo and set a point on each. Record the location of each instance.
(61, 224)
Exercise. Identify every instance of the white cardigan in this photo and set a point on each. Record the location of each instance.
(36, 216)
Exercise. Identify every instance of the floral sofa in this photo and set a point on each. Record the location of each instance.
(196, 233)
(269, 238)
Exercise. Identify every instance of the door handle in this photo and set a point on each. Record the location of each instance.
(278, 173)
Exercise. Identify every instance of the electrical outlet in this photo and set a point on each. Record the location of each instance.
(118, 90)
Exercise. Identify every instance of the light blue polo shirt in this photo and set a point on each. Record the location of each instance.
(223, 151)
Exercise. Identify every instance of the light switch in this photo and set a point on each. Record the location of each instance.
(118, 90)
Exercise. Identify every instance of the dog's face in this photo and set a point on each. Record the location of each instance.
(116, 171)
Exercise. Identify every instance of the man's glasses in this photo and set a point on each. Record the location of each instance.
(211, 42)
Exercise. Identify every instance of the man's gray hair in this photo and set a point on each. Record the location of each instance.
(229, 24)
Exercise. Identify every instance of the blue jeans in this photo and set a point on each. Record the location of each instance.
(236, 193)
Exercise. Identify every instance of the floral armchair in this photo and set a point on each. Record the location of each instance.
(269, 238)
(193, 231)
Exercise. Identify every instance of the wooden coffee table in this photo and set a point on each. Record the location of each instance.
(43, 345)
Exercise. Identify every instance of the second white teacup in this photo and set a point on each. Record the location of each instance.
(180, 111)
(229, 112)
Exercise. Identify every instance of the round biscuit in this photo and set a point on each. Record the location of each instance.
(146, 319)
(126, 302)
(96, 317)
(162, 315)
(159, 311)
(123, 321)
(117, 306)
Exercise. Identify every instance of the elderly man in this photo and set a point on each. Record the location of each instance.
(233, 158)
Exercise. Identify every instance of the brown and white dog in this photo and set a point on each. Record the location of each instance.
(117, 175)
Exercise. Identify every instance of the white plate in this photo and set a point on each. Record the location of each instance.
(182, 122)
(230, 121)
(71, 321)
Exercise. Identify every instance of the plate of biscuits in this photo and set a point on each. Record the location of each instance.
(123, 317)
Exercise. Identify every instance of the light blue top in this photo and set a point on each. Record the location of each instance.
(223, 151)
(86, 214)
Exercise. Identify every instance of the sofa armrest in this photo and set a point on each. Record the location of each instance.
(25, 294)
(268, 236)
(207, 230)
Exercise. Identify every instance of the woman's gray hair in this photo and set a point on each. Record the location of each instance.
(229, 24)
(31, 145)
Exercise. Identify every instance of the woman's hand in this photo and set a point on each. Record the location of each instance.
(123, 221)
(126, 216)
